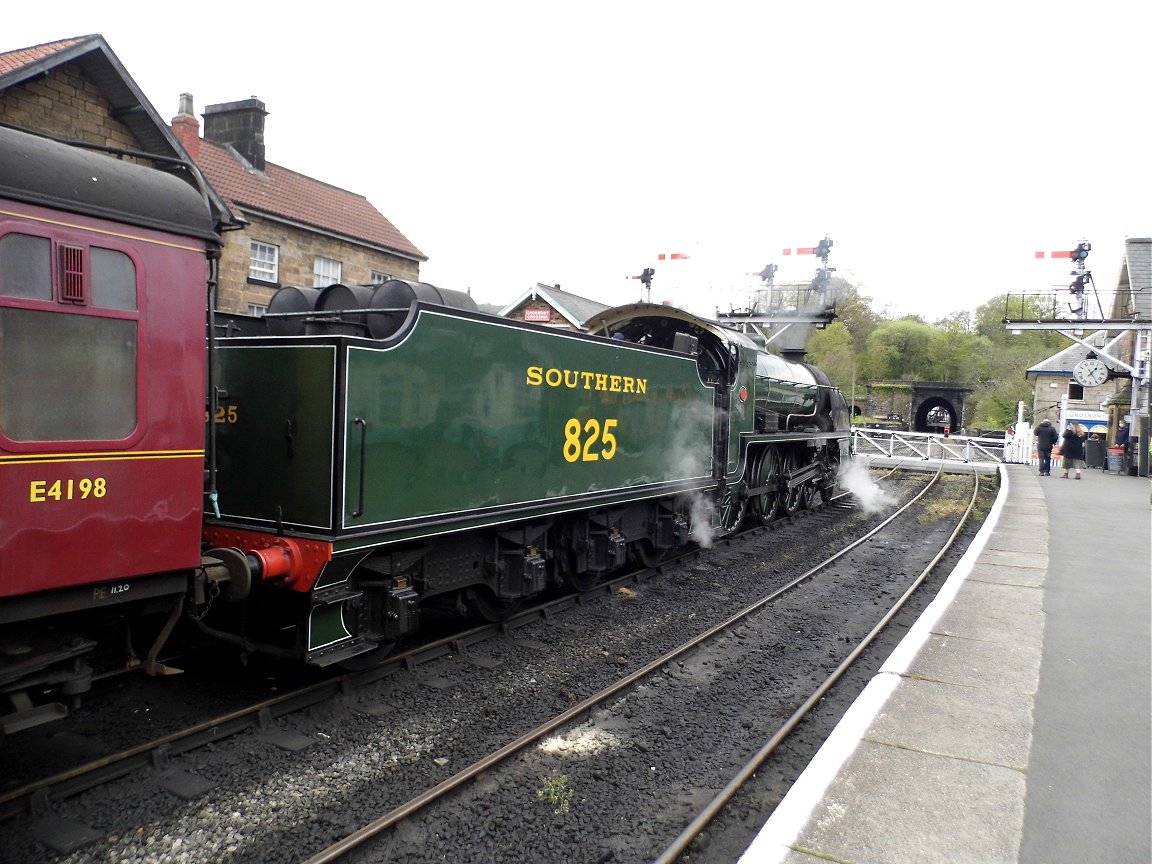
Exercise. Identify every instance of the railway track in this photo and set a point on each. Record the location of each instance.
(566, 733)
(172, 765)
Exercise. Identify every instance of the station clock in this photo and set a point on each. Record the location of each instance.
(1091, 372)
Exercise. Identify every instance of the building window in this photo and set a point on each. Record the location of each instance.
(379, 278)
(257, 310)
(325, 272)
(264, 262)
(1076, 392)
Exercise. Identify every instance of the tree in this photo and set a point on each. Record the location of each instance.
(971, 347)
(834, 350)
(898, 351)
(854, 311)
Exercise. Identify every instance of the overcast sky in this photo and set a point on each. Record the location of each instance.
(939, 145)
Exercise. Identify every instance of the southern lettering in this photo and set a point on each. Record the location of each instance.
(574, 379)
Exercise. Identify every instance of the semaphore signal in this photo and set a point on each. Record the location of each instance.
(1077, 254)
(1082, 277)
(820, 250)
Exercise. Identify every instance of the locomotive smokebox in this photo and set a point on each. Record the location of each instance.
(392, 300)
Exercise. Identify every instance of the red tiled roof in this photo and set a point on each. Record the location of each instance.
(284, 193)
(13, 60)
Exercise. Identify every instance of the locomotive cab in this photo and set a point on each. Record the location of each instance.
(782, 427)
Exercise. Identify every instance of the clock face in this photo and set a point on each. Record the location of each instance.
(1090, 373)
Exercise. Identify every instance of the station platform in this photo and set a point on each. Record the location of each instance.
(1013, 723)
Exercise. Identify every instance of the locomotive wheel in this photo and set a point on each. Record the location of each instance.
(731, 509)
(764, 473)
(831, 460)
(808, 495)
(794, 497)
(488, 607)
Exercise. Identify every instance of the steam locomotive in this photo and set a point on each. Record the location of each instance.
(367, 452)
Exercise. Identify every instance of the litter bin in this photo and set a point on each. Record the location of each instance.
(1094, 453)
(1116, 459)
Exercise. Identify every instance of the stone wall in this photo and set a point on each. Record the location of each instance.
(298, 251)
(65, 105)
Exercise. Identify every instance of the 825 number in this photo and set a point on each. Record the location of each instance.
(582, 449)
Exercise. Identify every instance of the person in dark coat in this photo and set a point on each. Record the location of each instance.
(1072, 448)
(1046, 439)
(1122, 434)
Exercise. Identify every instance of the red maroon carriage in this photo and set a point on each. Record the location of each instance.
(103, 274)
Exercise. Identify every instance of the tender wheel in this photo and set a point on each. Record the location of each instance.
(581, 582)
(765, 472)
(648, 555)
(488, 607)
(577, 581)
(368, 659)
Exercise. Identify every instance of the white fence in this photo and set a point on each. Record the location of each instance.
(1015, 447)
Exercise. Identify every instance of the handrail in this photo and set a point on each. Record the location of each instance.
(363, 424)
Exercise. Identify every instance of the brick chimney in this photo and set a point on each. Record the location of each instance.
(187, 127)
(240, 125)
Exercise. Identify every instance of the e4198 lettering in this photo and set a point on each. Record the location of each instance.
(43, 491)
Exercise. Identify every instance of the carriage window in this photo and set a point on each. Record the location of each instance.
(113, 279)
(86, 390)
(26, 266)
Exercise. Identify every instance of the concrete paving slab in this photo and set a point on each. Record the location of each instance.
(1025, 534)
(1019, 558)
(1002, 574)
(795, 857)
(1005, 666)
(993, 612)
(894, 806)
(1022, 523)
(979, 725)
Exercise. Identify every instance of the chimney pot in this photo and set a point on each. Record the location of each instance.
(187, 128)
